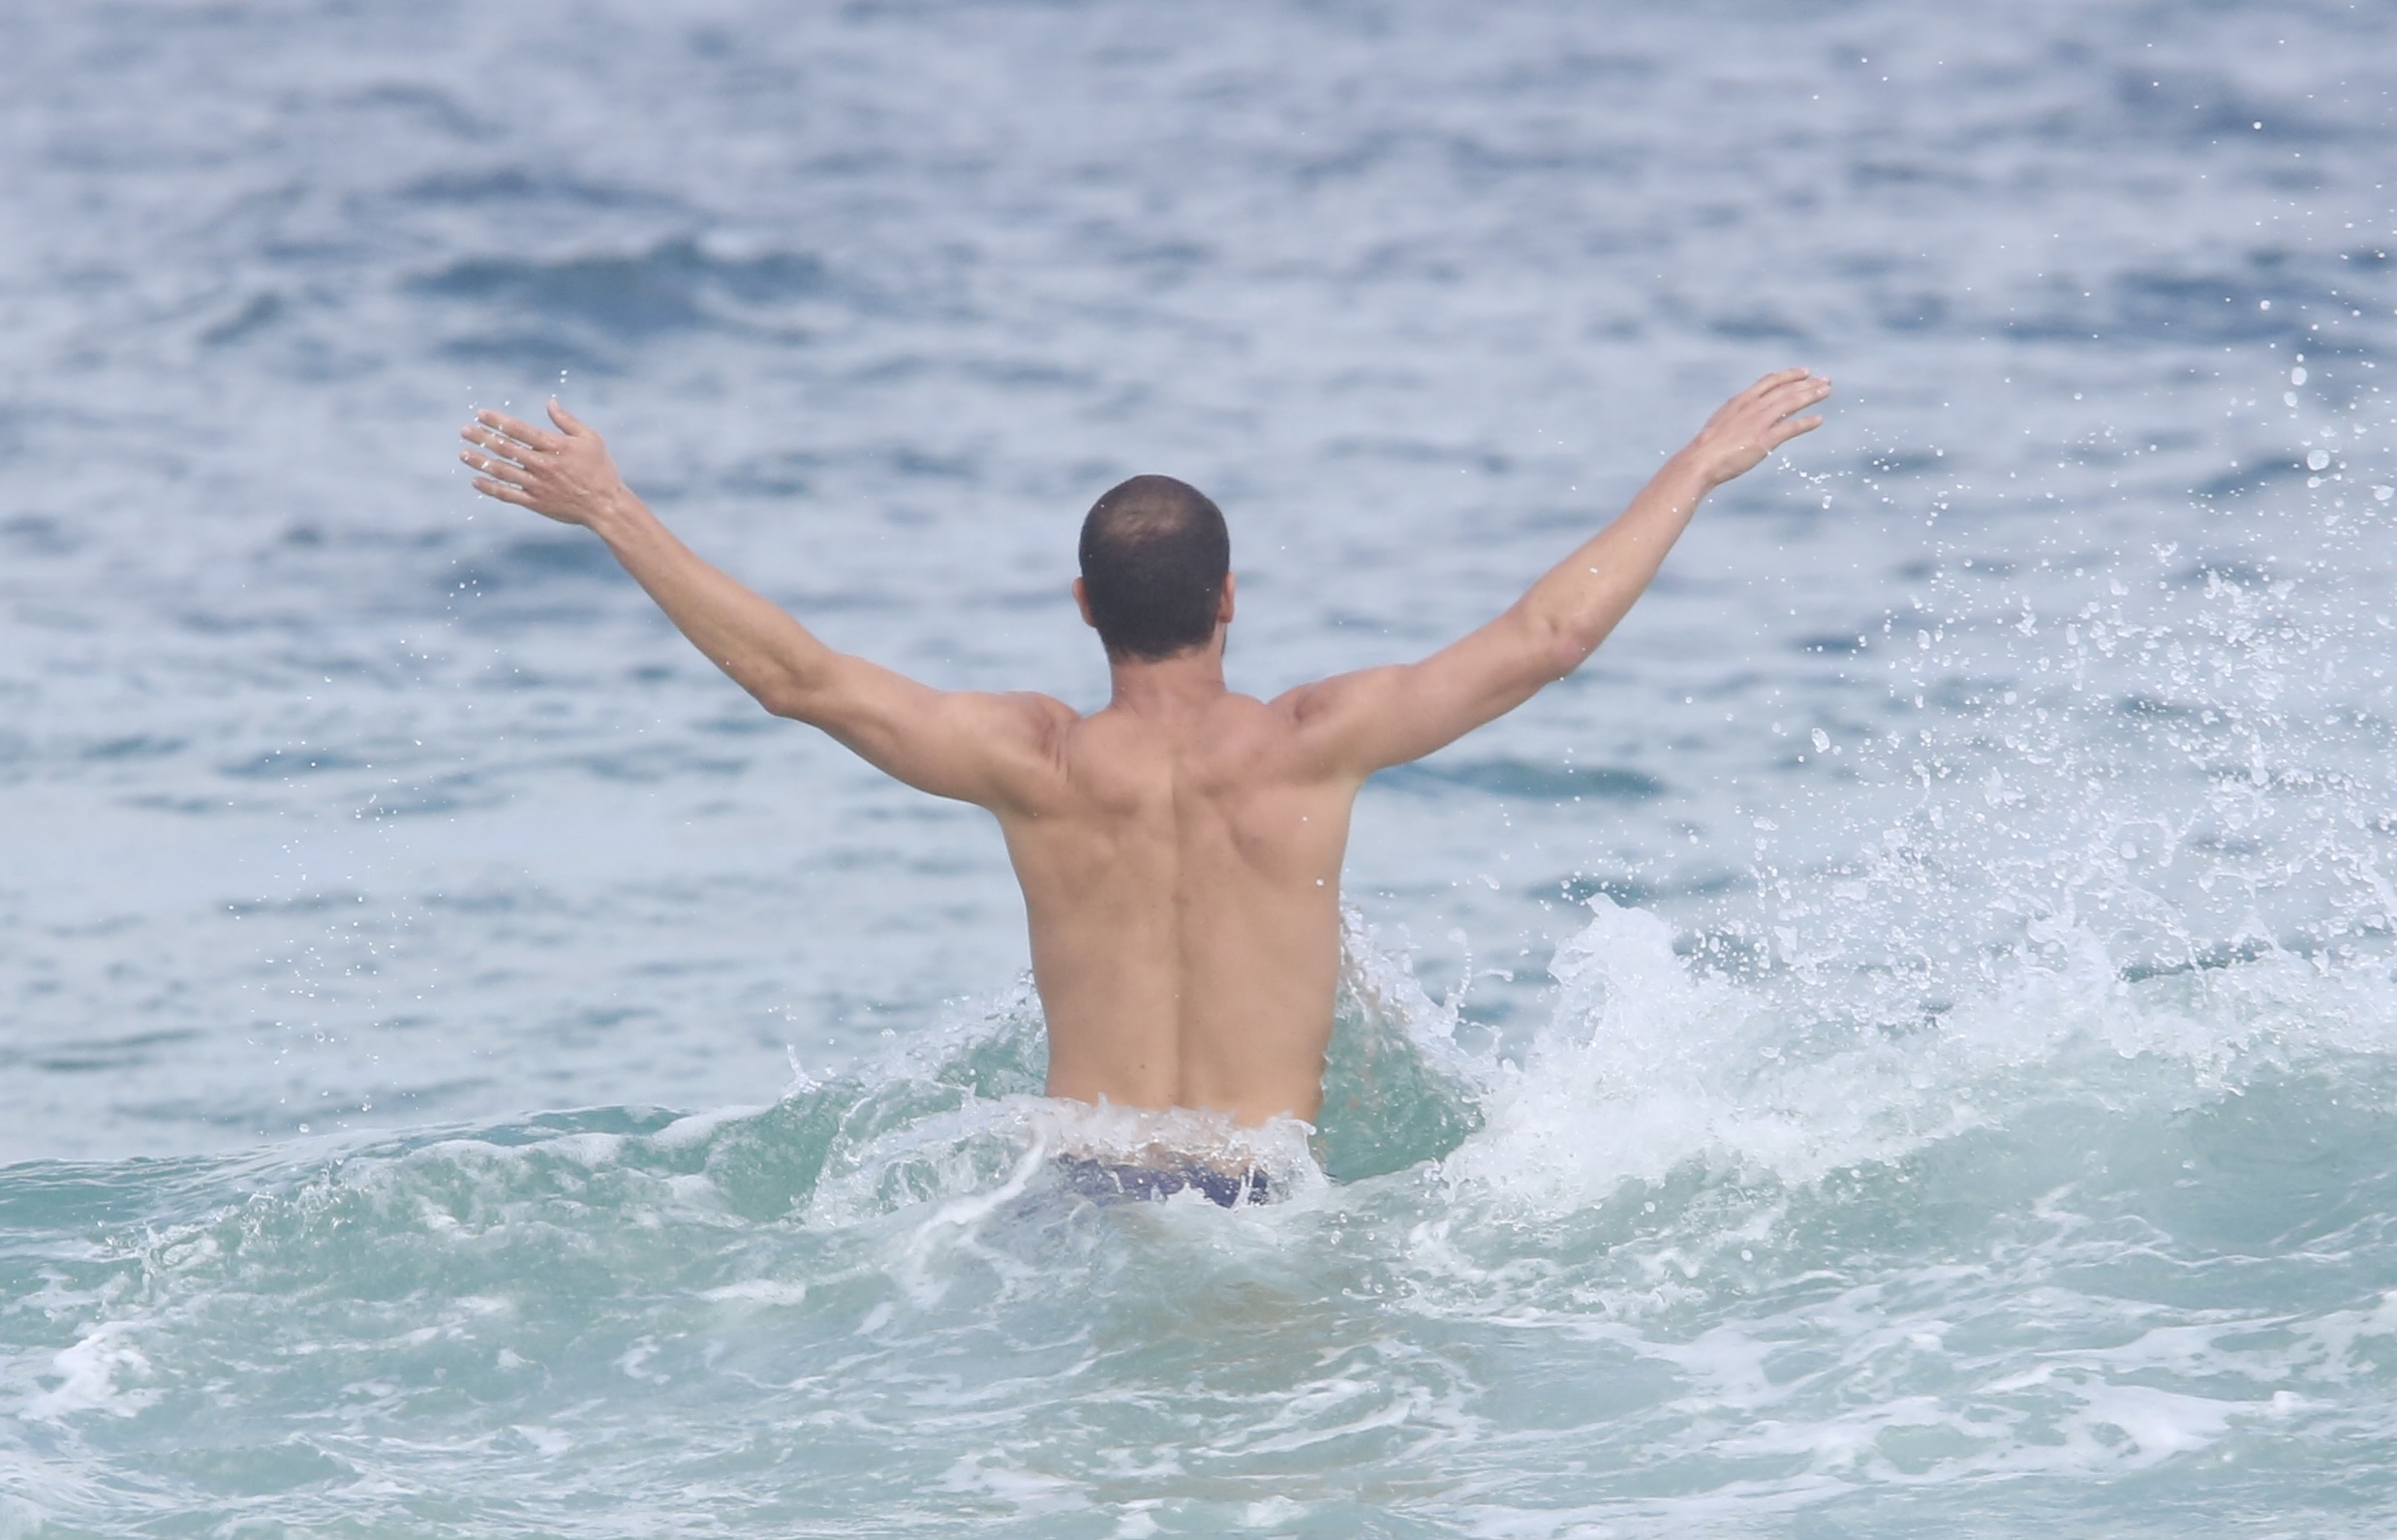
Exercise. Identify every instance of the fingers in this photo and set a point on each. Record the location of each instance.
(1795, 394)
(1779, 377)
(502, 492)
(517, 428)
(525, 433)
(493, 468)
(567, 422)
(497, 444)
(1788, 428)
(487, 465)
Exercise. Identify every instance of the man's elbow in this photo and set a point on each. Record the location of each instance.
(1559, 646)
(786, 697)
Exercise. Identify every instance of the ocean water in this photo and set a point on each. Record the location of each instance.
(1904, 1042)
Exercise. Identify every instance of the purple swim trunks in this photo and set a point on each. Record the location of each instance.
(1114, 1181)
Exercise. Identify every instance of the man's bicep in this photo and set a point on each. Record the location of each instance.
(1356, 724)
(1377, 718)
(967, 745)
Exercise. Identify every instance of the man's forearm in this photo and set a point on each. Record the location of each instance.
(570, 476)
(766, 652)
(1572, 609)
(1381, 716)
(1583, 596)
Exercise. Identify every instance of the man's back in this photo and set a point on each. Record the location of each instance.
(1181, 881)
(1180, 852)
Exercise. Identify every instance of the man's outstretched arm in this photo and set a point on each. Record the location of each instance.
(978, 748)
(1381, 716)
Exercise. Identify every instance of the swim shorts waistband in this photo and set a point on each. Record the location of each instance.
(1115, 1181)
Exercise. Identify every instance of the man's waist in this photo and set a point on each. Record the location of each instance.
(1106, 1181)
(1108, 1150)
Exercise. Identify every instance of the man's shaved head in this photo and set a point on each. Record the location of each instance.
(1155, 553)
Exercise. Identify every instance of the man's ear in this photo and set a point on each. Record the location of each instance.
(1082, 601)
(1223, 605)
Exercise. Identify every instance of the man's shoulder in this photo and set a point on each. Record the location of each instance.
(1265, 739)
(1031, 703)
(1017, 716)
(1230, 720)
(1308, 705)
(1048, 721)
(1023, 727)
(1248, 718)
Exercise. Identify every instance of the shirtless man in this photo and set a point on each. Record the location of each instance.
(1178, 850)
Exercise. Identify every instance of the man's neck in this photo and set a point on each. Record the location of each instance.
(1169, 686)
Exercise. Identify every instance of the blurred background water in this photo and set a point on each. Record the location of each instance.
(1905, 1039)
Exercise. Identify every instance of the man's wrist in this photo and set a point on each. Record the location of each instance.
(617, 515)
(1686, 473)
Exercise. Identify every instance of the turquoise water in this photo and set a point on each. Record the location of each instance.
(1905, 1042)
(2099, 1255)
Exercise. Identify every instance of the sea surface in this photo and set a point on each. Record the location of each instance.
(1903, 1043)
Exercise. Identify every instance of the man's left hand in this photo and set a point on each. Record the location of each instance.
(565, 476)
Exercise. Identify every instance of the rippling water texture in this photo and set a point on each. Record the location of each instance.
(1905, 1043)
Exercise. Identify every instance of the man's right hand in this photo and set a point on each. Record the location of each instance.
(566, 475)
(1754, 423)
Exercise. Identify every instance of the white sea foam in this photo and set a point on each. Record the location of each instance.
(104, 1372)
(759, 1291)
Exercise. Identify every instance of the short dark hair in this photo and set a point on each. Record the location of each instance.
(1154, 554)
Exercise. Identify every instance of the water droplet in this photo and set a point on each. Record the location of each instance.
(2384, 493)
(2296, 376)
(2319, 460)
(1821, 739)
(2263, 304)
